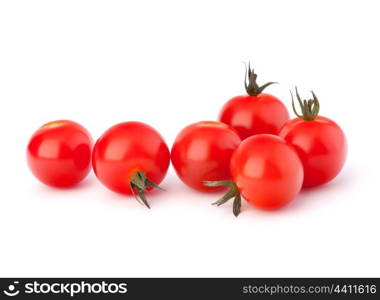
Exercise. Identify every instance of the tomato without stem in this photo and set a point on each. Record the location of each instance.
(319, 141)
(202, 151)
(131, 158)
(59, 153)
(256, 112)
(266, 171)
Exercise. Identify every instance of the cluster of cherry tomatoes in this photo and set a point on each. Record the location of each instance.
(254, 150)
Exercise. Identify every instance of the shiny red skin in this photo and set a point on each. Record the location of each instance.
(127, 148)
(250, 115)
(59, 153)
(202, 152)
(321, 145)
(267, 171)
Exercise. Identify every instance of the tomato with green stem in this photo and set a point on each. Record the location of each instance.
(266, 171)
(59, 153)
(131, 158)
(320, 142)
(202, 151)
(256, 112)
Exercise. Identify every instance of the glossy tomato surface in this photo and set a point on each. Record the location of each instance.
(267, 171)
(250, 115)
(127, 148)
(321, 145)
(59, 153)
(202, 152)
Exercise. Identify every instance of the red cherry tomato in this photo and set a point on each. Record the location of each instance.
(202, 151)
(266, 171)
(256, 112)
(250, 115)
(319, 141)
(59, 153)
(131, 158)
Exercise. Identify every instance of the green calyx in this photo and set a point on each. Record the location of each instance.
(139, 183)
(233, 192)
(251, 86)
(309, 108)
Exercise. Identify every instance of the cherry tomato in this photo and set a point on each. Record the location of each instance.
(256, 112)
(131, 158)
(266, 171)
(202, 151)
(319, 141)
(59, 153)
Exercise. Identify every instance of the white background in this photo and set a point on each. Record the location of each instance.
(171, 63)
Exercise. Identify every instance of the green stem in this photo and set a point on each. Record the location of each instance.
(233, 192)
(250, 83)
(309, 108)
(139, 184)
